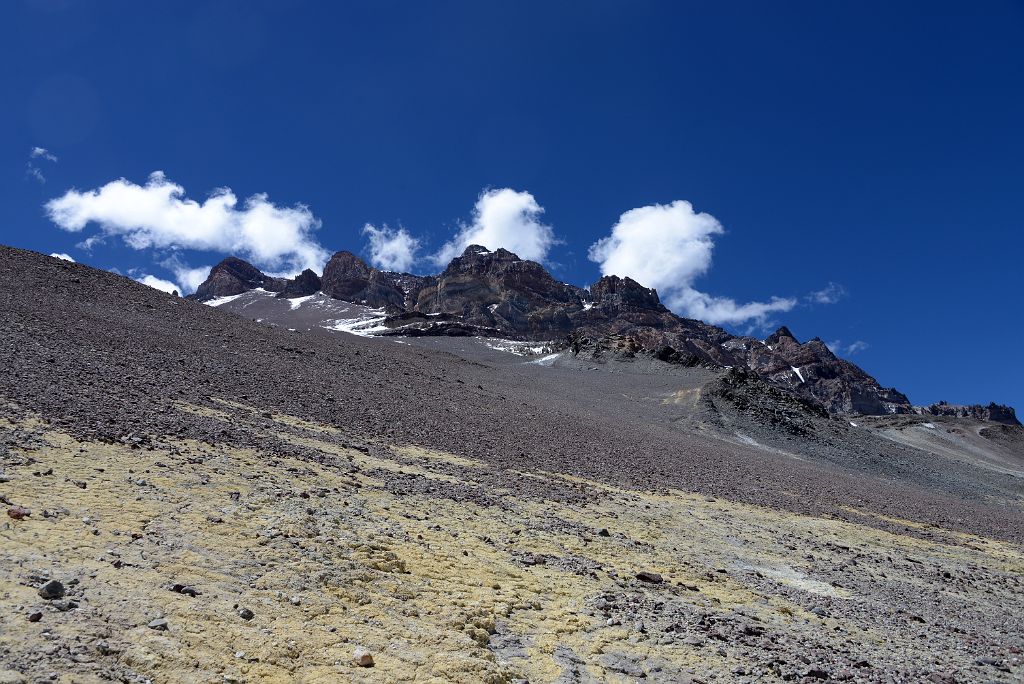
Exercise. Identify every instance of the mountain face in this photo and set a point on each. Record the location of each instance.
(300, 503)
(233, 276)
(487, 293)
(349, 278)
(994, 413)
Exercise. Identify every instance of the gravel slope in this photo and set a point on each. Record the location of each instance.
(103, 357)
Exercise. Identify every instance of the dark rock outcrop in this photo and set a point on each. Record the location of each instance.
(813, 372)
(302, 285)
(234, 276)
(497, 294)
(995, 413)
(348, 277)
(499, 290)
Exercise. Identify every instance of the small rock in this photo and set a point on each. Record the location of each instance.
(52, 590)
(160, 624)
(603, 532)
(295, 601)
(650, 577)
(362, 658)
(18, 513)
(35, 617)
(246, 614)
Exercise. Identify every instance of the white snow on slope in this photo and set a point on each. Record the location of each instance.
(365, 326)
(798, 373)
(299, 301)
(222, 300)
(545, 360)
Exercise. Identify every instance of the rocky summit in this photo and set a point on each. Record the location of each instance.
(495, 294)
(498, 478)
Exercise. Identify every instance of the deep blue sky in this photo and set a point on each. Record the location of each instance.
(875, 145)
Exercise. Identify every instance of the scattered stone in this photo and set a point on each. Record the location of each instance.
(18, 513)
(650, 577)
(160, 625)
(52, 590)
(35, 617)
(603, 532)
(362, 658)
(246, 614)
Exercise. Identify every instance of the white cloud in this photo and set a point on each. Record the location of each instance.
(34, 171)
(503, 218)
(42, 153)
(830, 294)
(188, 277)
(390, 249)
(158, 283)
(667, 247)
(62, 255)
(157, 215)
(838, 348)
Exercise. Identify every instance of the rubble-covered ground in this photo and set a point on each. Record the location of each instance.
(187, 561)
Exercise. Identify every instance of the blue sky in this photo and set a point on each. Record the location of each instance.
(870, 151)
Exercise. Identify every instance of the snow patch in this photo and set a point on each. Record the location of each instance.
(930, 426)
(299, 301)
(545, 360)
(364, 326)
(798, 373)
(220, 301)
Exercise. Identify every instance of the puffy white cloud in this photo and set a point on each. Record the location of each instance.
(390, 249)
(667, 247)
(62, 255)
(158, 283)
(158, 215)
(503, 218)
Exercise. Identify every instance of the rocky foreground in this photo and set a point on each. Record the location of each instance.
(189, 496)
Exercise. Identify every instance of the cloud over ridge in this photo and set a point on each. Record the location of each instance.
(503, 218)
(391, 249)
(158, 215)
(667, 247)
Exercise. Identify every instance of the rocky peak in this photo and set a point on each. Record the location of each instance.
(996, 413)
(234, 276)
(780, 335)
(302, 285)
(349, 278)
(613, 290)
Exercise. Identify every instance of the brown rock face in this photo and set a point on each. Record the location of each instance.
(495, 293)
(302, 285)
(500, 290)
(234, 276)
(996, 413)
(349, 278)
(813, 372)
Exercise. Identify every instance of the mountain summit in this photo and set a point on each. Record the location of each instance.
(495, 294)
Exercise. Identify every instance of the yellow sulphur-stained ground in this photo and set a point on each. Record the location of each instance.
(328, 559)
